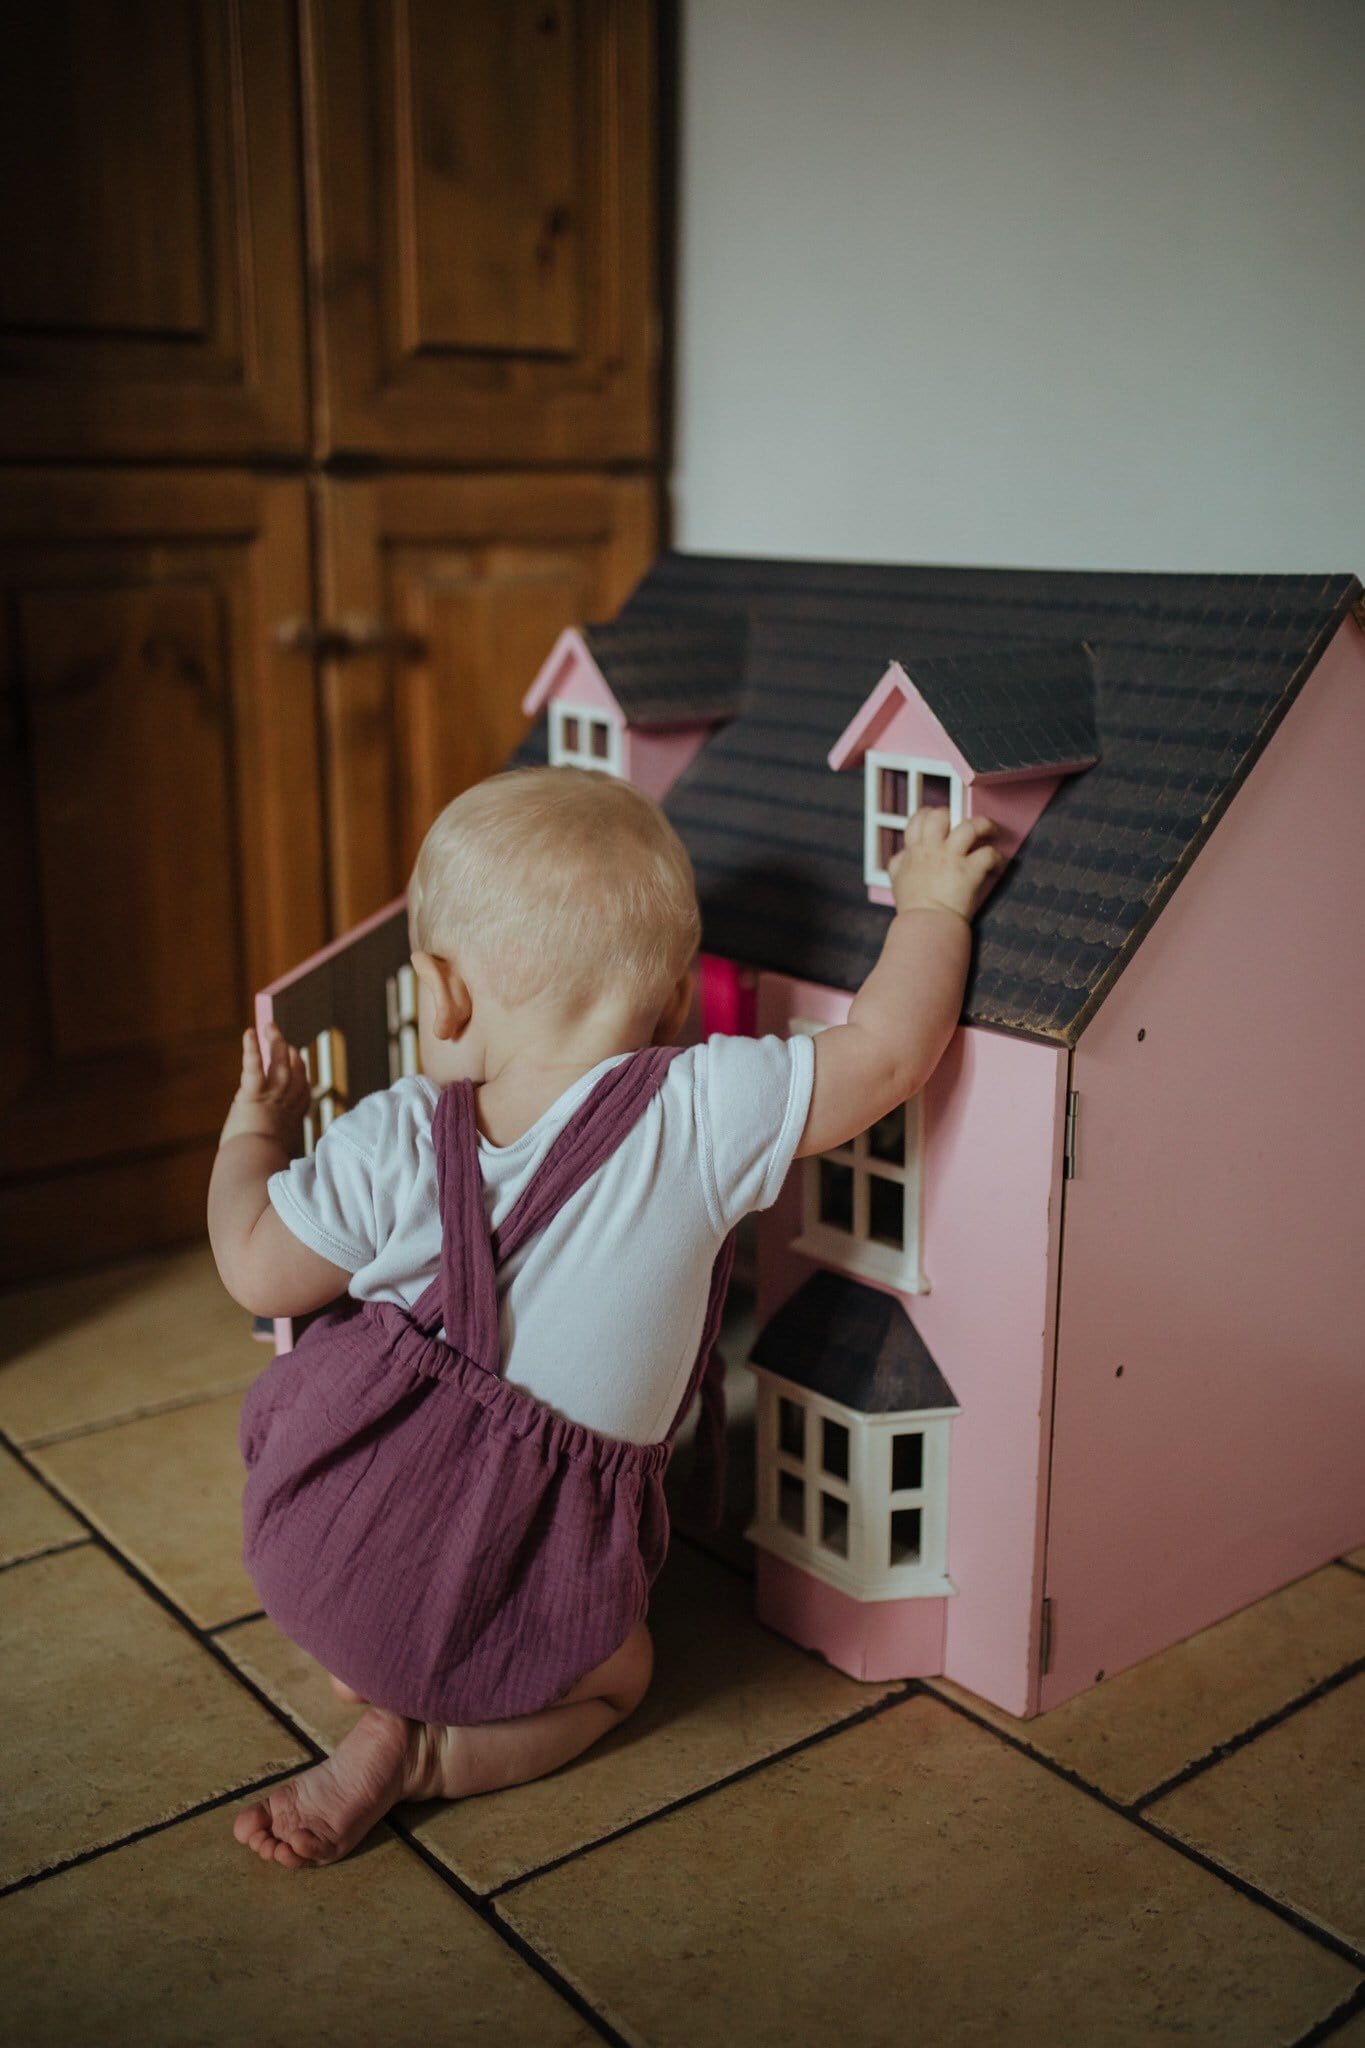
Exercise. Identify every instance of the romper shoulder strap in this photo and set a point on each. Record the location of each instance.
(464, 1295)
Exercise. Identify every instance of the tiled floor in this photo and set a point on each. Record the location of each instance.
(767, 1853)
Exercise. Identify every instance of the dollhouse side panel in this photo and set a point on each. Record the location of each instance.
(994, 1118)
(1210, 1407)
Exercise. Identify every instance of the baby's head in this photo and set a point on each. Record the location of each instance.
(557, 892)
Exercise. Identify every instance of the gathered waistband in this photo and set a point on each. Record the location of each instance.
(512, 1407)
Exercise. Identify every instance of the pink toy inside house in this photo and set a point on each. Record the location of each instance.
(1042, 1383)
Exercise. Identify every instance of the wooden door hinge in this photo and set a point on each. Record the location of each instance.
(1069, 1139)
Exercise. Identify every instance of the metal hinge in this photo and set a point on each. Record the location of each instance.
(1045, 1641)
(1069, 1140)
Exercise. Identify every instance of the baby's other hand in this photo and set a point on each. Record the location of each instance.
(271, 1100)
(943, 868)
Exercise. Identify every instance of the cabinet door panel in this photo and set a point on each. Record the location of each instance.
(151, 289)
(485, 274)
(159, 803)
(467, 580)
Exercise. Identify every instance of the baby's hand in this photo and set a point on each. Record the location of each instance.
(941, 868)
(270, 1101)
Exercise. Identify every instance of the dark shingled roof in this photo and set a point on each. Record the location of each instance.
(672, 668)
(1018, 708)
(854, 1345)
(1192, 674)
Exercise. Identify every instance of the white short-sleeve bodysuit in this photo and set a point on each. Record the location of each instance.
(601, 1314)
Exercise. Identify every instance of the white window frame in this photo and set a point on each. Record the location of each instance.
(400, 995)
(867, 1572)
(856, 1252)
(914, 767)
(329, 1095)
(562, 755)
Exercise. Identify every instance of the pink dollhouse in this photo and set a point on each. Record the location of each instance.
(1061, 1361)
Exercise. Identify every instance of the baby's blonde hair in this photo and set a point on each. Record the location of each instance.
(558, 878)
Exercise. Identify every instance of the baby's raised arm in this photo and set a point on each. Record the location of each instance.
(907, 1010)
(261, 1263)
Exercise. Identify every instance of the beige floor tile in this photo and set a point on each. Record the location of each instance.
(1356, 1558)
(914, 1878)
(167, 1491)
(124, 1341)
(290, 1677)
(726, 1693)
(1142, 1726)
(31, 1521)
(113, 1716)
(1288, 1811)
(187, 1938)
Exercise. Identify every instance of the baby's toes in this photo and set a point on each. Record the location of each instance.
(251, 1823)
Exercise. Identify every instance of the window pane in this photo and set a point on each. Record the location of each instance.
(571, 735)
(791, 1428)
(886, 1211)
(904, 1535)
(890, 840)
(907, 1460)
(834, 1450)
(834, 1524)
(836, 1195)
(791, 1503)
(935, 790)
(599, 739)
(886, 1139)
(894, 792)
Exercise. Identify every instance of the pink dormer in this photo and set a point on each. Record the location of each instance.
(991, 734)
(640, 696)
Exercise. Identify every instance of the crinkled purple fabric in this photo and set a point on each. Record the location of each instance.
(438, 1539)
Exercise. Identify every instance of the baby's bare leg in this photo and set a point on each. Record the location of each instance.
(494, 1754)
(321, 1815)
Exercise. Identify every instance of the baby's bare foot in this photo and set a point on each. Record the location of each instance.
(346, 1692)
(321, 1816)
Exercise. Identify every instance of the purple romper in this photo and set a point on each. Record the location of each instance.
(435, 1537)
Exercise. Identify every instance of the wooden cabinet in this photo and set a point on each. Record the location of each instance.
(161, 798)
(151, 240)
(336, 325)
(446, 594)
(485, 221)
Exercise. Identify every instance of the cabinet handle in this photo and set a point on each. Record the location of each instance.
(348, 637)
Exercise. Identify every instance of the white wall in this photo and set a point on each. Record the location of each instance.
(1050, 282)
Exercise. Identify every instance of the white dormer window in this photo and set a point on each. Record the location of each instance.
(584, 739)
(898, 785)
(860, 1501)
(861, 1203)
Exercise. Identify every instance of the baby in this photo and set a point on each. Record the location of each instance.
(455, 1482)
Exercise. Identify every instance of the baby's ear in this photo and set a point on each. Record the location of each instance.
(448, 993)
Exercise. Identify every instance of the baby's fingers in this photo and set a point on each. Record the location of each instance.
(253, 1073)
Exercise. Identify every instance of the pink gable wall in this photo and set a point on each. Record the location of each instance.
(651, 758)
(994, 1114)
(1214, 1229)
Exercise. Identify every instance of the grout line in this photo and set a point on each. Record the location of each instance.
(193, 1629)
(51, 1550)
(172, 1405)
(220, 1628)
(156, 1827)
(1233, 1743)
(1347, 1566)
(509, 1935)
(1290, 1914)
(1332, 2022)
(685, 1799)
